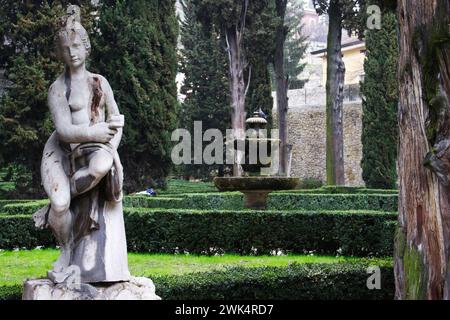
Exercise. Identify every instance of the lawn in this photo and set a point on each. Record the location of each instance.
(16, 266)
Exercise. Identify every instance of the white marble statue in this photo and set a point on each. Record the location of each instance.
(81, 170)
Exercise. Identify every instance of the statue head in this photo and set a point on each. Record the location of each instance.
(72, 40)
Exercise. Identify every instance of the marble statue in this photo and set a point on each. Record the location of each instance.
(81, 169)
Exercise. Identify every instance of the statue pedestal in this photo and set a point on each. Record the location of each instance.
(137, 288)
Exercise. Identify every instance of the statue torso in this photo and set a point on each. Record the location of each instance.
(81, 98)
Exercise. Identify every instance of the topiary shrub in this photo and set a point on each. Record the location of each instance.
(338, 281)
(360, 233)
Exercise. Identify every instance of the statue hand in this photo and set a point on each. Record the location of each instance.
(102, 132)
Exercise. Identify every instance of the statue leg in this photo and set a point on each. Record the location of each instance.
(57, 186)
(100, 162)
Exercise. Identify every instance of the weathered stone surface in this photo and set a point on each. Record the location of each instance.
(307, 135)
(81, 169)
(137, 288)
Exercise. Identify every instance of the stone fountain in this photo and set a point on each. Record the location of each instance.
(258, 179)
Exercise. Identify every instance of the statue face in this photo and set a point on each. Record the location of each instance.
(73, 50)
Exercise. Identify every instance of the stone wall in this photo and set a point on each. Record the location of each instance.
(307, 135)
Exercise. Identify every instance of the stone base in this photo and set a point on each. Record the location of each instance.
(256, 199)
(137, 288)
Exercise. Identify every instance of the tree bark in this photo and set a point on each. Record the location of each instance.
(422, 268)
(237, 87)
(237, 63)
(282, 83)
(334, 98)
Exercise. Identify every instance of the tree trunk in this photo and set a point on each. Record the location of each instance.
(334, 100)
(238, 91)
(422, 268)
(281, 86)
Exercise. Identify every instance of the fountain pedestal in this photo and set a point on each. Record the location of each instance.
(256, 199)
(255, 189)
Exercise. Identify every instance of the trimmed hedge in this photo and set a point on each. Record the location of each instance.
(23, 208)
(260, 232)
(152, 202)
(346, 281)
(3, 203)
(343, 189)
(178, 186)
(295, 201)
(19, 232)
(359, 233)
(339, 281)
(234, 201)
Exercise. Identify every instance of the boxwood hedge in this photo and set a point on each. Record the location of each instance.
(340, 281)
(346, 281)
(234, 201)
(359, 233)
(295, 201)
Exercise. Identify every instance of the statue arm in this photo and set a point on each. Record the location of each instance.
(112, 110)
(62, 119)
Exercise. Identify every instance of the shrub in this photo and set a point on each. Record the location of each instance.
(295, 201)
(3, 203)
(339, 281)
(310, 183)
(152, 202)
(360, 233)
(296, 282)
(21, 208)
(342, 189)
(19, 232)
(261, 232)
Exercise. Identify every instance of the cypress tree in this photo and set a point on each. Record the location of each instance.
(203, 62)
(136, 51)
(260, 48)
(380, 100)
(295, 45)
(27, 29)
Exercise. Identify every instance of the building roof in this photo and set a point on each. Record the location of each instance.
(345, 45)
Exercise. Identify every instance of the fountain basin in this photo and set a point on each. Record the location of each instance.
(255, 189)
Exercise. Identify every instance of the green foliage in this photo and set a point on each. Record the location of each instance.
(310, 183)
(4, 202)
(343, 190)
(258, 43)
(380, 99)
(296, 201)
(315, 199)
(19, 232)
(27, 56)
(21, 208)
(176, 186)
(204, 63)
(295, 45)
(300, 282)
(352, 13)
(136, 52)
(338, 281)
(360, 233)
(259, 46)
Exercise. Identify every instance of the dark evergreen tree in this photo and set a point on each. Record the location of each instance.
(260, 47)
(136, 51)
(380, 100)
(295, 45)
(203, 62)
(27, 30)
(236, 21)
